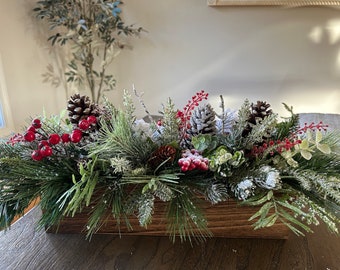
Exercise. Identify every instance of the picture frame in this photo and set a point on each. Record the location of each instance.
(6, 121)
(287, 3)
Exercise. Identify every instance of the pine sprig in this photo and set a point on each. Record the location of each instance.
(261, 130)
(129, 106)
(287, 127)
(145, 208)
(170, 122)
(111, 203)
(117, 139)
(185, 218)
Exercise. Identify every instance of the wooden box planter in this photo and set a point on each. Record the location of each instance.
(225, 219)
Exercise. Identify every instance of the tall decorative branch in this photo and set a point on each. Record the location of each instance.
(93, 29)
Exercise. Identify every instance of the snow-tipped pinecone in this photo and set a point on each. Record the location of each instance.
(202, 121)
(259, 111)
(165, 153)
(80, 107)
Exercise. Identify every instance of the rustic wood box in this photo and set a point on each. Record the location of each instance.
(225, 219)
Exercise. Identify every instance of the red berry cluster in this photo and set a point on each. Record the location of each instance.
(312, 126)
(192, 159)
(85, 124)
(287, 143)
(274, 146)
(46, 142)
(187, 110)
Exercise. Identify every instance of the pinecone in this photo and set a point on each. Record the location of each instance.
(164, 153)
(202, 121)
(80, 107)
(259, 111)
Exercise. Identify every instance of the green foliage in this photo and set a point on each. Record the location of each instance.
(204, 142)
(23, 181)
(94, 30)
(276, 208)
(290, 125)
(81, 192)
(117, 139)
(185, 218)
(170, 123)
(145, 208)
(111, 203)
(261, 130)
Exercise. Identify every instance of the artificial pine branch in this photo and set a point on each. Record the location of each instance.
(185, 219)
(170, 123)
(117, 140)
(287, 127)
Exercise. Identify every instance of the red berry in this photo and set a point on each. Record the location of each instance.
(92, 119)
(54, 139)
(84, 124)
(36, 123)
(46, 151)
(31, 128)
(184, 168)
(36, 155)
(203, 167)
(65, 138)
(77, 131)
(29, 136)
(159, 122)
(76, 137)
(43, 143)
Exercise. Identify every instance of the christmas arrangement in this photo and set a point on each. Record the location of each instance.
(102, 157)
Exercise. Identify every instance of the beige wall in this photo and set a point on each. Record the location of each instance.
(274, 54)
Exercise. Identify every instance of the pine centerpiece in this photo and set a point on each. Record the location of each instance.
(105, 164)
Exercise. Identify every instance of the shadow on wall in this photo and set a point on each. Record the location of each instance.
(275, 54)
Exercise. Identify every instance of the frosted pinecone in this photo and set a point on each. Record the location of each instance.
(269, 178)
(244, 189)
(202, 121)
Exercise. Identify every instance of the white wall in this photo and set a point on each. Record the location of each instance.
(274, 54)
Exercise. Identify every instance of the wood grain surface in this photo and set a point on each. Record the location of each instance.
(23, 247)
(225, 219)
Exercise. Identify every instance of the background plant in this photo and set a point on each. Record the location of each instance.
(93, 31)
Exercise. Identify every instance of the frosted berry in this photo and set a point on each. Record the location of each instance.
(29, 136)
(84, 124)
(92, 119)
(192, 159)
(36, 155)
(65, 138)
(36, 123)
(46, 151)
(54, 139)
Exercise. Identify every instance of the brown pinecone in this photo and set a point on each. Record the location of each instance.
(202, 121)
(80, 107)
(259, 111)
(164, 153)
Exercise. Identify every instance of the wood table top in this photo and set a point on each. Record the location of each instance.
(23, 247)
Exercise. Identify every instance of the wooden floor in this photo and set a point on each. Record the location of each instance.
(22, 247)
